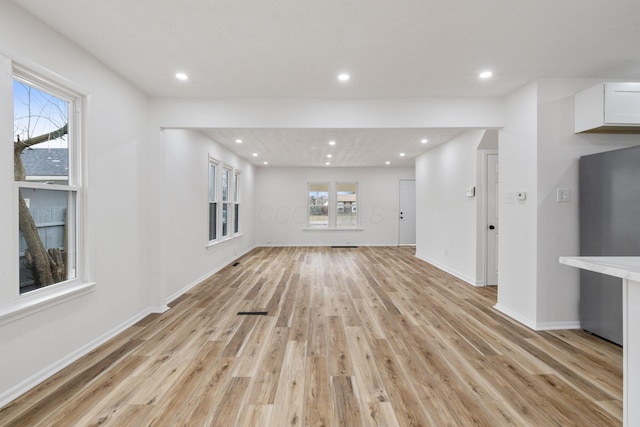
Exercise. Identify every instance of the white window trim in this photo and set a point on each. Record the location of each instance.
(43, 298)
(331, 212)
(228, 203)
(237, 201)
(216, 199)
(220, 167)
(31, 302)
(357, 185)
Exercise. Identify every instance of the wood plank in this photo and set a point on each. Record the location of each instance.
(318, 401)
(210, 393)
(288, 408)
(365, 369)
(346, 403)
(339, 357)
(266, 380)
(402, 396)
(381, 414)
(181, 399)
(317, 345)
(248, 360)
(230, 406)
(255, 415)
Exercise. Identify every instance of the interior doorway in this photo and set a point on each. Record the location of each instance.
(492, 223)
(407, 218)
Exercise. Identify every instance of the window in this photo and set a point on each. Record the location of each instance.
(333, 206)
(318, 205)
(224, 201)
(47, 171)
(236, 202)
(213, 201)
(347, 212)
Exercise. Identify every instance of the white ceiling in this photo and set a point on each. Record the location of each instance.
(310, 147)
(392, 49)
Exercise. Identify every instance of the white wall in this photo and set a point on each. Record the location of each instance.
(447, 218)
(116, 136)
(539, 153)
(332, 113)
(518, 169)
(559, 150)
(186, 259)
(281, 205)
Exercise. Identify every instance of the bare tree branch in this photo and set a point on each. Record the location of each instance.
(21, 145)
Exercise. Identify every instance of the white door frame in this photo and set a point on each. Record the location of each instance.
(492, 230)
(482, 223)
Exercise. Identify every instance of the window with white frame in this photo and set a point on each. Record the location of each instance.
(224, 201)
(332, 205)
(213, 201)
(47, 174)
(346, 205)
(236, 201)
(318, 202)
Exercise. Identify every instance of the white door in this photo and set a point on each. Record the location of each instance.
(492, 219)
(407, 212)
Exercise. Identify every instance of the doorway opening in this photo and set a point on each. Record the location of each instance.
(488, 227)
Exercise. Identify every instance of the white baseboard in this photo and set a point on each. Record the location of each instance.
(557, 326)
(34, 380)
(537, 326)
(459, 275)
(159, 309)
(515, 316)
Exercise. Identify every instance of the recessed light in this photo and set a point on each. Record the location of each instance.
(328, 163)
(238, 141)
(343, 77)
(329, 156)
(182, 76)
(332, 143)
(485, 74)
(265, 163)
(387, 163)
(255, 154)
(424, 140)
(401, 154)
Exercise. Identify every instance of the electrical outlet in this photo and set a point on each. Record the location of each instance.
(563, 195)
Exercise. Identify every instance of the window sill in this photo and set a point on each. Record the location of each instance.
(34, 304)
(226, 239)
(332, 229)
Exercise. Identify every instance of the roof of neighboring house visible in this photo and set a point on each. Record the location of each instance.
(46, 161)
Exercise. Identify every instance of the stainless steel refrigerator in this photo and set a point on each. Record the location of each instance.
(609, 226)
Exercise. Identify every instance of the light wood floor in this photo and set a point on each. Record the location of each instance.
(353, 337)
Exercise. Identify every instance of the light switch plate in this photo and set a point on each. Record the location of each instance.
(471, 191)
(563, 195)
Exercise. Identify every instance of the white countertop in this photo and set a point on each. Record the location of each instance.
(617, 266)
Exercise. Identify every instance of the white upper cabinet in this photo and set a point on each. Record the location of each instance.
(608, 108)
